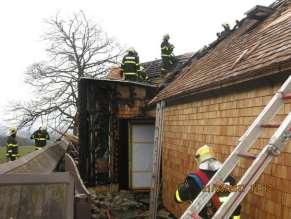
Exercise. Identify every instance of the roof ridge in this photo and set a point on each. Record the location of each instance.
(240, 55)
(224, 34)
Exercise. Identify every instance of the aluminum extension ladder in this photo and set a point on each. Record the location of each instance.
(273, 148)
(157, 154)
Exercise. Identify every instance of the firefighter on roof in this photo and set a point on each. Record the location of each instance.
(196, 181)
(132, 70)
(12, 146)
(40, 137)
(168, 59)
(130, 65)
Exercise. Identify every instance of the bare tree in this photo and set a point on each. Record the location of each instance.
(76, 48)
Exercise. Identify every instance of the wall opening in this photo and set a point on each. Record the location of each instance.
(123, 154)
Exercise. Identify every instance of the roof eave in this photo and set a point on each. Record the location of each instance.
(273, 69)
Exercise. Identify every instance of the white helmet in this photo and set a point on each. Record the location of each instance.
(131, 49)
(226, 26)
(42, 128)
(166, 37)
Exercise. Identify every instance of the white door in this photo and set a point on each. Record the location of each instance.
(142, 155)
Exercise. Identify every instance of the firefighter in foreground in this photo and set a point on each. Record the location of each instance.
(168, 58)
(12, 146)
(40, 137)
(196, 181)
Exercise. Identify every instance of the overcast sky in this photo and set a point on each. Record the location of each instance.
(133, 23)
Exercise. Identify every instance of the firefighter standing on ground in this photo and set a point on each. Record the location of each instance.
(12, 146)
(130, 65)
(40, 137)
(168, 58)
(196, 181)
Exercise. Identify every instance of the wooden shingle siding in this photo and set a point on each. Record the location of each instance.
(219, 122)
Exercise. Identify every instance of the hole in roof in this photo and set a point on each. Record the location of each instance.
(286, 15)
(255, 16)
(259, 12)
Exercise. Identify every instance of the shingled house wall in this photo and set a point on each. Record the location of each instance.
(219, 122)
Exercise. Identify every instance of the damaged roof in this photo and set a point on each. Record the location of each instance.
(153, 68)
(121, 82)
(254, 48)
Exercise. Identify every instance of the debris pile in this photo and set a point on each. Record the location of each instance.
(124, 205)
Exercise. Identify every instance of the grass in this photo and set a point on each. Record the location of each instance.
(22, 151)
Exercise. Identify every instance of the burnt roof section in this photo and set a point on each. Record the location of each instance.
(122, 82)
(259, 12)
(253, 49)
(153, 68)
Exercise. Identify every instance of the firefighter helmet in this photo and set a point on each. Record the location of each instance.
(203, 153)
(226, 26)
(42, 128)
(166, 37)
(12, 131)
(131, 49)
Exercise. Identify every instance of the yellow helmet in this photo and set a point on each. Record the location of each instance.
(12, 131)
(203, 153)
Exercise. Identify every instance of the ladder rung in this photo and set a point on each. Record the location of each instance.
(245, 142)
(247, 155)
(270, 126)
(273, 126)
(287, 96)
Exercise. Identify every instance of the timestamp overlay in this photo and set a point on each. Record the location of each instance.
(225, 188)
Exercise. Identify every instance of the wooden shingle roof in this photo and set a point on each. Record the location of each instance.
(254, 49)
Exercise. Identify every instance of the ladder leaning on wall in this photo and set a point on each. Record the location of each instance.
(157, 155)
(272, 149)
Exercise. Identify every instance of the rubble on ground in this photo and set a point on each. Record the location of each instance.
(124, 205)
